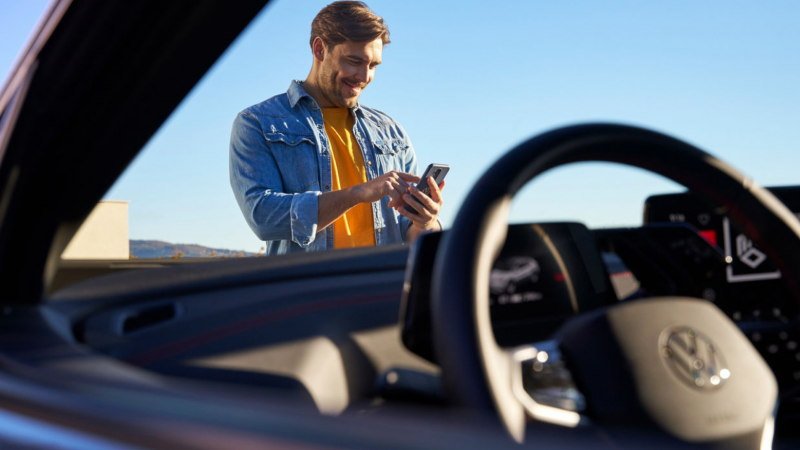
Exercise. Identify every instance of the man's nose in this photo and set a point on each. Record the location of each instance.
(363, 73)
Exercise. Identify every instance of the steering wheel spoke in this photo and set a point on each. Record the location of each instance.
(544, 386)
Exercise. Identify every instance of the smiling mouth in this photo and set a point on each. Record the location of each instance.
(354, 88)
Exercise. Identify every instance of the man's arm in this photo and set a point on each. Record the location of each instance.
(258, 188)
(414, 232)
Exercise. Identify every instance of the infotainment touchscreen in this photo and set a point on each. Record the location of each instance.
(747, 262)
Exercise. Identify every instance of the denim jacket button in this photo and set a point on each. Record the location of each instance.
(369, 163)
(327, 187)
(379, 230)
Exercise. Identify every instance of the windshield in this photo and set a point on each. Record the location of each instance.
(465, 85)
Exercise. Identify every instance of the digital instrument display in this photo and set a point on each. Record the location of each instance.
(548, 270)
(544, 274)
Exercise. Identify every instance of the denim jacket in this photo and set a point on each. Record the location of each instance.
(280, 163)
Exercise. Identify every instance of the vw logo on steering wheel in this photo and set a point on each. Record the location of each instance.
(693, 358)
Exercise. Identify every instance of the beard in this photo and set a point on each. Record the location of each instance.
(331, 88)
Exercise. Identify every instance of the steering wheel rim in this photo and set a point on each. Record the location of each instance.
(474, 368)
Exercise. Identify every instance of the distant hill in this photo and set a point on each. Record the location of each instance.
(161, 249)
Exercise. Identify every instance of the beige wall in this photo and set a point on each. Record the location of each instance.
(104, 234)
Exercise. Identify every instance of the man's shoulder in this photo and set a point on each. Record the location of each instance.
(377, 116)
(277, 106)
(385, 122)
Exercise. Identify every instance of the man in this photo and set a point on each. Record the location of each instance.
(312, 169)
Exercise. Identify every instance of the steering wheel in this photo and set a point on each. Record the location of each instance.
(677, 364)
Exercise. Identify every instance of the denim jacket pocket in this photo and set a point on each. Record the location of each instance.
(296, 156)
(390, 154)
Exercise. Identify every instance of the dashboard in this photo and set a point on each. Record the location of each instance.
(548, 272)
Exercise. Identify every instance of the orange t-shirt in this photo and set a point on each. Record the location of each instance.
(355, 228)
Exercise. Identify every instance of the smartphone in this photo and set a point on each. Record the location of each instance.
(438, 172)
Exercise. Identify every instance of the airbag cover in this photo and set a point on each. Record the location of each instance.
(694, 373)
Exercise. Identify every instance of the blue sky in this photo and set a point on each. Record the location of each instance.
(469, 80)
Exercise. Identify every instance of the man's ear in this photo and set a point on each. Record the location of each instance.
(318, 49)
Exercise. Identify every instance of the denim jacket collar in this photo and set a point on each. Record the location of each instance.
(296, 92)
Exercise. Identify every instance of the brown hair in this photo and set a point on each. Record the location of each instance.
(348, 21)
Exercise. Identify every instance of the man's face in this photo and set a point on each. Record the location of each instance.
(347, 69)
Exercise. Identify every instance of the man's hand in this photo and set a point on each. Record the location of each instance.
(394, 184)
(334, 204)
(427, 209)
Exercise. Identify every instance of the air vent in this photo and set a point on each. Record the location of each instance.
(148, 318)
